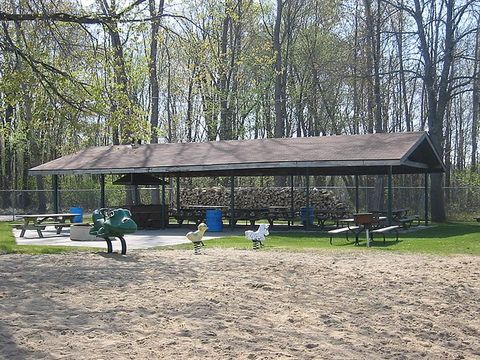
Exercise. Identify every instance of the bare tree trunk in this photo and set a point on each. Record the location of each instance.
(121, 105)
(403, 82)
(154, 87)
(32, 151)
(224, 84)
(6, 159)
(169, 97)
(280, 108)
(152, 65)
(476, 100)
(438, 95)
(189, 121)
(122, 102)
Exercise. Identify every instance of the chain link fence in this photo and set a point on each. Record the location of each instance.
(462, 203)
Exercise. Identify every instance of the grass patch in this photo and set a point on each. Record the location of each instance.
(8, 245)
(443, 239)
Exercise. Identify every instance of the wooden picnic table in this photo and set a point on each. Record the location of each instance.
(282, 213)
(400, 216)
(195, 213)
(335, 215)
(38, 222)
(248, 214)
(396, 213)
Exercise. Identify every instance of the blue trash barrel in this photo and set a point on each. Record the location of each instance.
(214, 220)
(79, 217)
(303, 215)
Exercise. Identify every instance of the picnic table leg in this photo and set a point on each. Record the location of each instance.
(39, 232)
(357, 233)
(24, 227)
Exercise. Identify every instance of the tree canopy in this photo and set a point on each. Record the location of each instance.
(119, 71)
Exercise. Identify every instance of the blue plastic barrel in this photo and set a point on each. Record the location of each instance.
(79, 217)
(303, 215)
(214, 220)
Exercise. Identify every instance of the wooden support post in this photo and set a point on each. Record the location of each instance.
(307, 201)
(102, 190)
(292, 202)
(232, 202)
(357, 195)
(178, 192)
(164, 223)
(389, 195)
(56, 196)
(426, 198)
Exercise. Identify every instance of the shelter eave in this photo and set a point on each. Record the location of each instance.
(271, 168)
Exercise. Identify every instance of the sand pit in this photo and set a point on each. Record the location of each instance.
(231, 304)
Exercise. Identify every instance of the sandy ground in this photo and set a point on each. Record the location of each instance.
(231, 304)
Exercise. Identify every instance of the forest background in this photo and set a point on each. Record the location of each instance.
(76, 74)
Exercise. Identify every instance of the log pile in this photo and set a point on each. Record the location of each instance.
(258, 198)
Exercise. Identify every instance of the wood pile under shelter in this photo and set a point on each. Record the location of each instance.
(257, 198)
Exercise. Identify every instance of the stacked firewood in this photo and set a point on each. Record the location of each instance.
(257, 198)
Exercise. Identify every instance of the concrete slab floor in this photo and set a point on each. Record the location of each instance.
(142, 239)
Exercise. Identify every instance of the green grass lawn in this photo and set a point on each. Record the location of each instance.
(449, 238)
(8, 245)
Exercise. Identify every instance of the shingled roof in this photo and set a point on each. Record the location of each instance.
(410, 152)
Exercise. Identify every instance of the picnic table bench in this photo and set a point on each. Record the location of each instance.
(335, 215)
(407, 221)
(195, 213)
(386, 229)
(248, 214)
(280, 213)
(343, 230)
(400, 217)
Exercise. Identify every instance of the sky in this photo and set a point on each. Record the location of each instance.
(86, 3)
